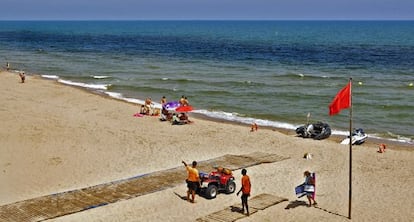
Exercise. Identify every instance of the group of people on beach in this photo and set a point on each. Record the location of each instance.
(194, 182)
(175, 118)
(22, 75)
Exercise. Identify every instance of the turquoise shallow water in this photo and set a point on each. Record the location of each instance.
(271, 72)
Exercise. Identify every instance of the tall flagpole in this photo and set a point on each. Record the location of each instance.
(350, 149)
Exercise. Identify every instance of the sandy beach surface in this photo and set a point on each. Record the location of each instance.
(56, 138)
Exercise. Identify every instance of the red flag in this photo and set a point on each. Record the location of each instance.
(342, 100)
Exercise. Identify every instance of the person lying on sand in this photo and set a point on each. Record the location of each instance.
(165, 115)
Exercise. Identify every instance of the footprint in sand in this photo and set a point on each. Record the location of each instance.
(54, 161)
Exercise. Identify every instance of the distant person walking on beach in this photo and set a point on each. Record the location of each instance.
(245, 189)
(22, 76)
(193, 180)
(254, 127)
(7, 66)
(382, 148)
(309, 187)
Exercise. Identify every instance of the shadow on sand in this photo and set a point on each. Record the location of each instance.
(236, 209)
(181, 197)
(297, 203)
(337, 214)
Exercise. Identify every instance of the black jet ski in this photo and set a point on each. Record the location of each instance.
(317, 131)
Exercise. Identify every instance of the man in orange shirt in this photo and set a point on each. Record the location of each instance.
(245, 189)
(193, 180)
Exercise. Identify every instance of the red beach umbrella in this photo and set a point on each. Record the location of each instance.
(183, 109)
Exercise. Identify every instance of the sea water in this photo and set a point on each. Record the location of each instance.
(273, 73)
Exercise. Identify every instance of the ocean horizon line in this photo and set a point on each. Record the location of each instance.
(208, 20)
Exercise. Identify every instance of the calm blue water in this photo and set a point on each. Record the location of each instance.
(271, 72)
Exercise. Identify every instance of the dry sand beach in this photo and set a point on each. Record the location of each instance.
(56, 138)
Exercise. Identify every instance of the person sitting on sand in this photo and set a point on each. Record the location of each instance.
(193, 180)
(148, 106)
(165, 115)
(184, 118)
(142, 109)
(176, 120)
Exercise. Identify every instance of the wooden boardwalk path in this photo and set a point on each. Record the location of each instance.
(232, 213)
(56, 205)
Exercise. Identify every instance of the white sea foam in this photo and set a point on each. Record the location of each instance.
(50, 76)
(85, 85)
(101, 77)
(248, 120)
(17, 71)
(114, 95)
(235, 117)
(131, 100)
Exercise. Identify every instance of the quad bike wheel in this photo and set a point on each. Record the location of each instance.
(211, 191)
(231, 187)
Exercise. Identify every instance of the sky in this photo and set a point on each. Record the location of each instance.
(207, 10)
